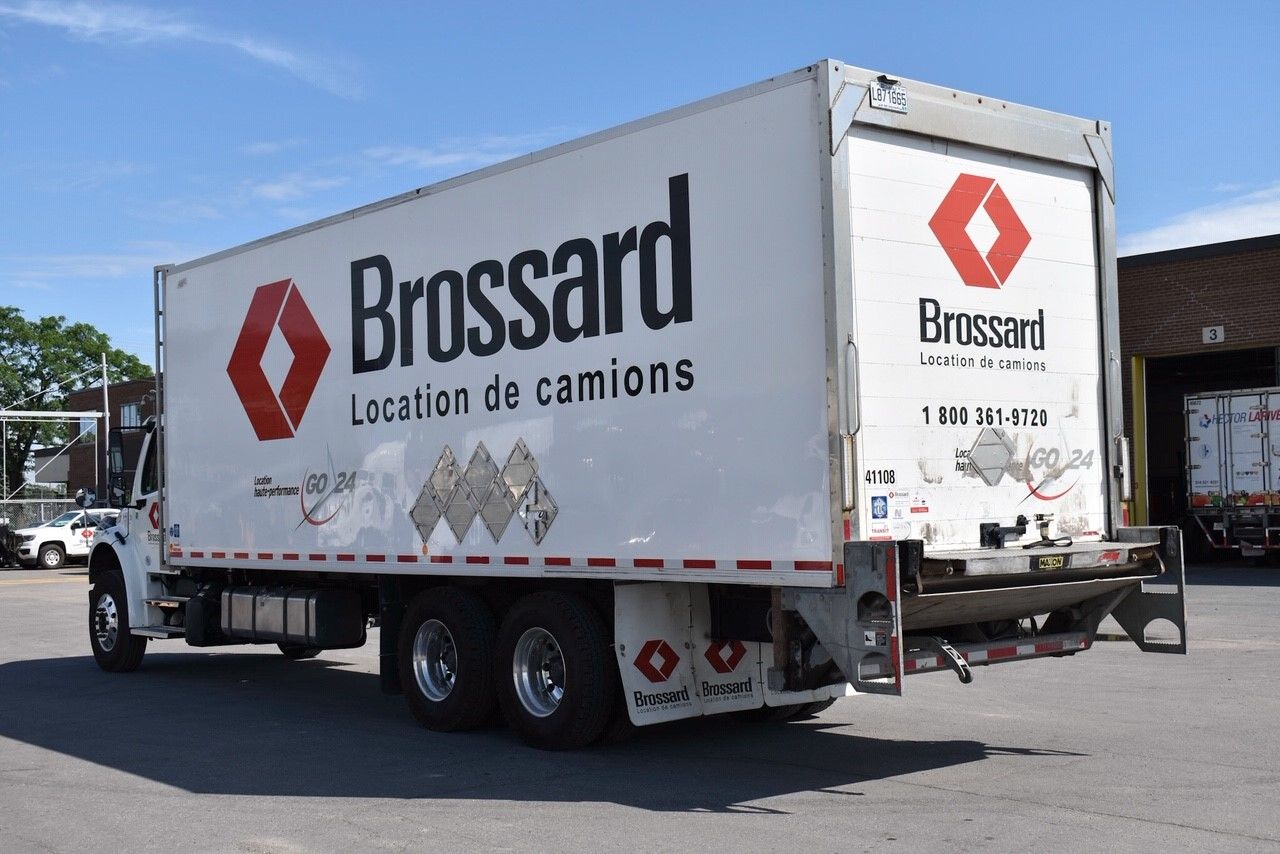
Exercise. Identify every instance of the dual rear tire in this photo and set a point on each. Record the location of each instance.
(548, 667)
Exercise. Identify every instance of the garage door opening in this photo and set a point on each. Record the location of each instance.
(1168, 380)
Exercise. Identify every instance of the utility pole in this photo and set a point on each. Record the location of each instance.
(106, 430)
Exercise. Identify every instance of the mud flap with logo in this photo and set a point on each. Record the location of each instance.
(671, 666)
(653, 643)
(861, 624)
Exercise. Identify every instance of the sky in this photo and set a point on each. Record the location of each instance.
(145, 133)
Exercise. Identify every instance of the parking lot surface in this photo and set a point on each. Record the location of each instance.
(238, 749)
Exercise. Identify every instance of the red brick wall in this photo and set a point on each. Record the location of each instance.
(80, 469)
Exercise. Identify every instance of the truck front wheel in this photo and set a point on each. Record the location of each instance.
(555, 672)
(115, 648)
(446, 659)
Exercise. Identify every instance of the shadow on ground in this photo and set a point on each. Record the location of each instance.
(255, 724)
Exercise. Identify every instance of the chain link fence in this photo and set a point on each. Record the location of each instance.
(26, 513)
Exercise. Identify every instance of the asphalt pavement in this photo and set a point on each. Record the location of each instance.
(238, 749)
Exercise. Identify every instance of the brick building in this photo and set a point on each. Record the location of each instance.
(1204, 318)
(131, 403)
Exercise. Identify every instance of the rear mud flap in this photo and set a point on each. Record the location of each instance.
(1155, 616)
(860, 625)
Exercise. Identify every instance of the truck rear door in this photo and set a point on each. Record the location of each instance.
(976, 303)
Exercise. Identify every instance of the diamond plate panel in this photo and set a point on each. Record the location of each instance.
(443, 478)
(539, 510)
(425, 513)
(520, 470)
(481, 473)
(460, 510)
(497, 510)
(989, 457)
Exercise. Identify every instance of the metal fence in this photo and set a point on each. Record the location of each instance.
(25, 513)
(32, 511)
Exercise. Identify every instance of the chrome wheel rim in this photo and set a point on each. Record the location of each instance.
(435, 660)
(538, 671)
(106, 622)
(52, 559)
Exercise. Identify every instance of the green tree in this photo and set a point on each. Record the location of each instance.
(36, 356)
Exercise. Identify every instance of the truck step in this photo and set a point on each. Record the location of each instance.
(167, 601)
(160, 631)
(164, 571)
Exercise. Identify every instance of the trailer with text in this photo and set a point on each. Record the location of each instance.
(1233, 469)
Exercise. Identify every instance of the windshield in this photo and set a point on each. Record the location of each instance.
(65, 519)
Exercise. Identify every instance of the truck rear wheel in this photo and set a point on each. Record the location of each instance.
(446, 659)
(556, 676)
(115, 648)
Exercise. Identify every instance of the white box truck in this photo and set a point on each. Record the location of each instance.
(766, 400)
(1233, 469)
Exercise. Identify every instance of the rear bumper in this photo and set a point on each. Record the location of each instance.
(889, 621)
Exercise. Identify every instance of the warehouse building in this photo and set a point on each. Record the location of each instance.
(1203, 318)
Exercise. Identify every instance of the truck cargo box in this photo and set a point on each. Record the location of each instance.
(714, 344)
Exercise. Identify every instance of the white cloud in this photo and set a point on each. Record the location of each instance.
(1251, 214)
(36, 271)
(471, 153)
(107, 22)
(292, 187)
(269, 146)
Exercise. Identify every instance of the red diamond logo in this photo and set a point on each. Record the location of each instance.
(951, 220)
(660, 648)
(154, 514)
(277, 304)
(717, 658)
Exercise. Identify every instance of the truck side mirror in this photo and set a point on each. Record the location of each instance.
(118, 491)
(85, 498)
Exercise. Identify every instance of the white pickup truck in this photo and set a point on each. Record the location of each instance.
(67, 537)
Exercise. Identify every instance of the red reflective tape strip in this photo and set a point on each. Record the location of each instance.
(813, 565)
(839, 575)
(219, 555)
(555, 561)
(376, 558)
(290, 556)
(197, 554)
(698, 563)
(442, 558)
(601, 561)
(314, 556)
(477, 559)
(649, 563)
(240, 555)
(406, 558)
(1042, 648)
(265, 556)
(755, 564)
(1002, 652)
(516, 561)
(848, 528)
(347, 558)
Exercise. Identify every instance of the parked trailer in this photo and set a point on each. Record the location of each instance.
(1233, 469)
(753, 404)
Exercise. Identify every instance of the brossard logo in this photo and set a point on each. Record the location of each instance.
(951, 220)
(437, 308)
(277, 304)
(949, 225)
